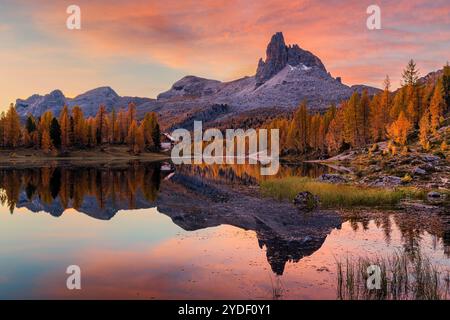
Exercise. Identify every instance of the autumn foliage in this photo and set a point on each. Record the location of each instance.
(72, 130)
(363, 119)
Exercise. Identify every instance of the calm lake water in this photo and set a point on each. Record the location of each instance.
(144, 231)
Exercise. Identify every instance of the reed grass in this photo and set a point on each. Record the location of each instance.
(403, 277)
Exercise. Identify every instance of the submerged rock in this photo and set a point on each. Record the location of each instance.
(305, 201)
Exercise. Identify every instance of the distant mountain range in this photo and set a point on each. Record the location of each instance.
(288, 76)
(88, 101)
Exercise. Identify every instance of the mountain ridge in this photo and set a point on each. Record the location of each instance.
(286, 77)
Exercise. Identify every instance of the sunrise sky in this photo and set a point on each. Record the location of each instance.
(140, 48)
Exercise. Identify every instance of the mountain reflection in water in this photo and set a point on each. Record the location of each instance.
(194, 198)
(197, 198)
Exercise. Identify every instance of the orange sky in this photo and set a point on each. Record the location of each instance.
(141, 47)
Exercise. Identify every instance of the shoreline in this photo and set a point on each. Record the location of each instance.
(78, 158)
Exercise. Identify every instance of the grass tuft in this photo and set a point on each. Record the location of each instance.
(338, 195)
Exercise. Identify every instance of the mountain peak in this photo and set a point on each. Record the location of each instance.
(278, 55)
(56, 93)
(102, 91)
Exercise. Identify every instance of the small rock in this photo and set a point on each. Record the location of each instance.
(387, 181)
(332, 178)
(427, 167)
(416, 162)
(418, 171)
(434, 194)
(375, 168)
(430, 158)
(305, 201)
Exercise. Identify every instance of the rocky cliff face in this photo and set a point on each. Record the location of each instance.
(278, 56)
(288, 76)
(37, 104)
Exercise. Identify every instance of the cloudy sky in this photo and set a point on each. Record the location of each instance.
(140, 48)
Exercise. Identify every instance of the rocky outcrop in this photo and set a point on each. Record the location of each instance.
(191, 86)
(332, 178)
(417, 171)
(386, 182)
(37, 104)
(278, 56)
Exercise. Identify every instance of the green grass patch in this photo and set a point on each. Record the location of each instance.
(338, 195)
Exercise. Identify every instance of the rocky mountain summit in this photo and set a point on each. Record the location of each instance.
(288, 76)
(279, 56)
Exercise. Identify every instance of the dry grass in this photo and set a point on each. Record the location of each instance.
(338, 195)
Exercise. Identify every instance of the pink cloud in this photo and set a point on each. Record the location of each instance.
(224, 39)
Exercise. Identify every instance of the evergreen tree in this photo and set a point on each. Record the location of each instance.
(46, 142)
(79, 123)
(131, 114)
(114, 127)
(351, 123)
(123, 126)
(399, 104)
(101, 125)
(135, 138)
(363, 113)
(424, 128)
(379, 112)
(446, 86)
(410, 74)
(55, 133)
(155, 133)
(376, 118)
(45, 121)
(2, 129)
(412, 109)
(12, 127)
(398, 131)
(335, 135)
(30, 124)
(64, 122)
(437, 106)
(298, 130)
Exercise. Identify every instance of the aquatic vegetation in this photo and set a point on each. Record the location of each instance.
(403, 276)
(338, 195)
